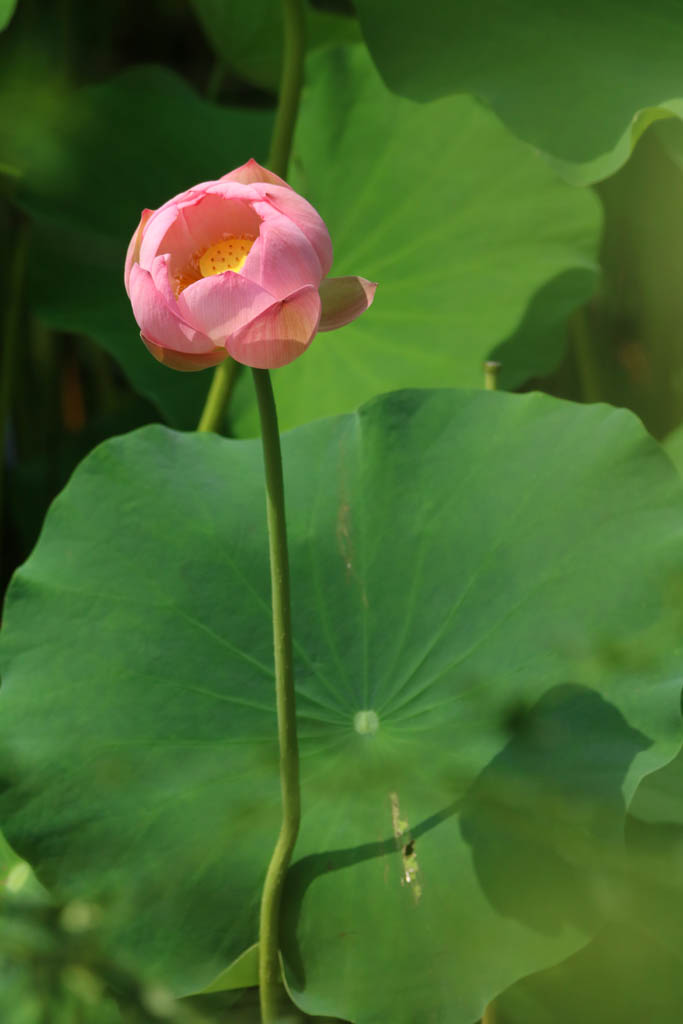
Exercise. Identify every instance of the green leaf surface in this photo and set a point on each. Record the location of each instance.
(670, 134)
(233, 1007)
(537, 346)
(89, 162)
(632, 971)
(665, 116)
(458, 222)
(241, 973)
(625, 976)
(6, 11)
(637, 332)
(655, 844)
(249, 38)
(568, 78)
(673, 446)
(482, 592)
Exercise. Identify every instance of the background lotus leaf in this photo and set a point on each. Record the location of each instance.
(567, 78)
(458, 221)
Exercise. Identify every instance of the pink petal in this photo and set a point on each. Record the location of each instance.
(183, 361)
(294, 206)
(161, 276)
(234, 190)
(188, 227)
(165, 215)
(163, 222)
(216, 215)
(158, 321)
(280, 334)
(252, 172)
(133, 253)
(187, 196)
(343, 299)
(222, 304)
(282, 260)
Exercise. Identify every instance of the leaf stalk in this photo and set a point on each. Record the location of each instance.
(278, 162)
(10, 339)
(269, 961)
(222, 384)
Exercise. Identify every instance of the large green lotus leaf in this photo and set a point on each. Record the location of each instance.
(250, 38)
(116, 146)
(655, 845)
(6, 12)
(567, 78)
(673, 446)
(632, 971)
(636, 324)
(459, 223)
(625, 976)
(86, 163)
(482, 588)
(659, 798)
(539, 343)
(670, 134)
(666, 116)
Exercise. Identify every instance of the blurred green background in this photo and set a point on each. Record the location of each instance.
(514, 181)
(109, 108)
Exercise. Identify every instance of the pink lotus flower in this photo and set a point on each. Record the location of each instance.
(236, 267)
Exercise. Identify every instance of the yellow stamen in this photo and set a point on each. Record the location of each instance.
(184, 279)
(230, 254)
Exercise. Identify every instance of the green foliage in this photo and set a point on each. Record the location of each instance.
(486, 588)
(481, 685)
(415, 198)
(637, 331)
(55, 967)
(673, 446)
(241, 973)
(86, 162)
(537, 346)
(631, 972)
(6, 12)
(568, 78)
(625, 976)
(248, 38)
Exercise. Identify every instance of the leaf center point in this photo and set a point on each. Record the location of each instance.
(366, 723)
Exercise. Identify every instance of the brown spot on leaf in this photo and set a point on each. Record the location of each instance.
(410, 869)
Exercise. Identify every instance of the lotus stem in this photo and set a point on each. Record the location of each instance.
(269, 961)
(222, 384)
(278, 162)
(270, 989)
(491, 371)
(290, 86)
(587, 361)
(10, 338)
